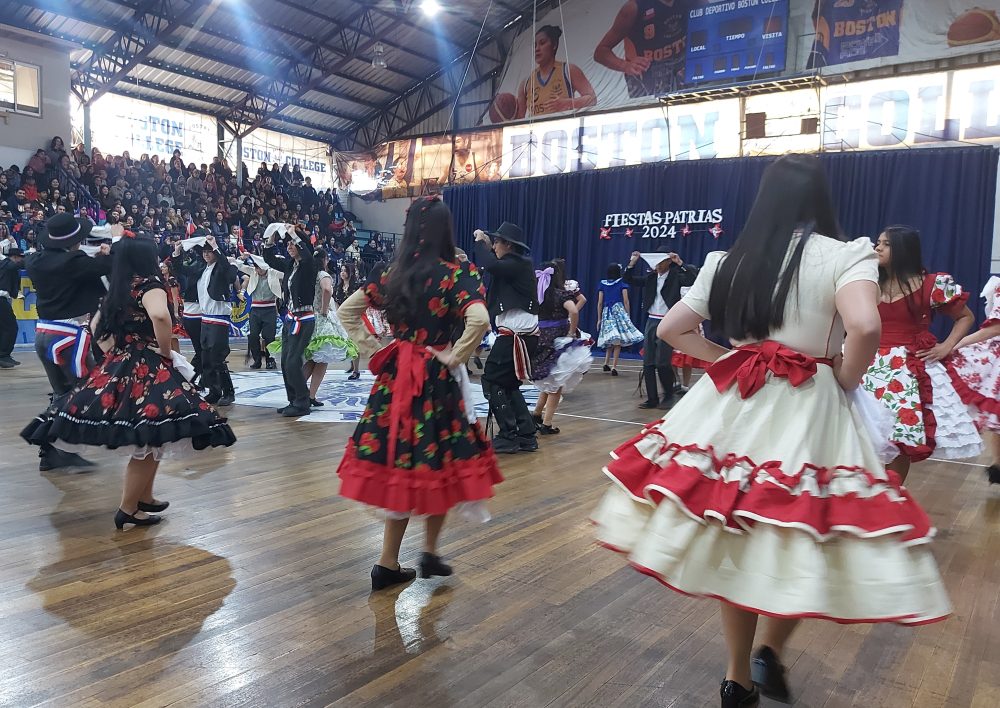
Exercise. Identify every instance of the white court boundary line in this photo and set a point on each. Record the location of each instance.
(632, 422)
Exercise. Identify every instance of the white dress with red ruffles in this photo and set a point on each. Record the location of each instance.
(975, 369)
(762, 487)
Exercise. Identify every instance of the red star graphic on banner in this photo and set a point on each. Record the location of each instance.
(629, 232)
(716, 231)
(606, 233)
(686, 231)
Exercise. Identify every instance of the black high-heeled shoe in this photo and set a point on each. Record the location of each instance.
(383, 577)
(735, 696)
(355, 376)
(606, 368)
(315, 404)
(548, 430)
(769, 675)
(431, 565)
(155, 506)
(993, 474)
(121, 518)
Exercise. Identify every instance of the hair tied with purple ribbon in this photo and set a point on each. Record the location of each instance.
(544, 277)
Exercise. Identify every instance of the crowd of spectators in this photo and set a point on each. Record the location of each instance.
(171, 199)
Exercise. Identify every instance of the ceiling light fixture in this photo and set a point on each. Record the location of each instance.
(378, 61)
(430, 7)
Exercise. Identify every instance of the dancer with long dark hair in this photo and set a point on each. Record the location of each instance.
(419, 449)
(909, 374)
(762, 487)
(347, 285)
(136, 401)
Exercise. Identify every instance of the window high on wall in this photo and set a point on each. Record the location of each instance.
(19, 88)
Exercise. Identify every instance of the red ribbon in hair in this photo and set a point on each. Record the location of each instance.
(748, 365)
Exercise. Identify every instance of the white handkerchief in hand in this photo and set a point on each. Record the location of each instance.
(182, 365)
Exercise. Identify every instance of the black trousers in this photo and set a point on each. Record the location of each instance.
(656, 355)
(263, 325)
(502, 389)
(192, 325)
(214, 350)
(293, 349)
(8, 327)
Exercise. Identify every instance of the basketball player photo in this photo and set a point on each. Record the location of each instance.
(654, 36)
(554, 86)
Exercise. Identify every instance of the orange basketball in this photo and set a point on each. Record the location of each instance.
(972, 27)
(503, 108)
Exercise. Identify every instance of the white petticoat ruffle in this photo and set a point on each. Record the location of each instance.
(569, 368)
(957, 437)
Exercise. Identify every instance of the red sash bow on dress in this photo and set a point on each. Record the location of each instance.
(748, 365)
(411, 372)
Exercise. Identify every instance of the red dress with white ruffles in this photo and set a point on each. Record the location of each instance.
(929, 416)
(975, 369)
(762, 487)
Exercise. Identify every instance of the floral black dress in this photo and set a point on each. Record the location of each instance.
(135, 399)
(415, 450)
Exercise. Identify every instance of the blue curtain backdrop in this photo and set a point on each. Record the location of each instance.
(948, 193)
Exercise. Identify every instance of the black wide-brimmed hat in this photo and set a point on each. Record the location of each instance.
(511, 233)
(64, 230)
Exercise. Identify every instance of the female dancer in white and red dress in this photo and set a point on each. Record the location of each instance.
(762, 488)
(975, 371)
(419, 449)
(136, 400)
(909, 374)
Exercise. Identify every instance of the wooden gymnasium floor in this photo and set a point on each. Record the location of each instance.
(255, 591)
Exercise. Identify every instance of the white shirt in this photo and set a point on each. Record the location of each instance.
(208, 305)
(517, 321)
(659, 307)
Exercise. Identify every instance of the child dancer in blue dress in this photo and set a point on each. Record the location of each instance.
(614, 328)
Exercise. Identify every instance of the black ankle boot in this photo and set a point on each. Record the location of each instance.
(383, 577)
(769, 675)
(735, 696)
(431, 565)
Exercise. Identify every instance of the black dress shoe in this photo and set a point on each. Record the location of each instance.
(155, 507)
(272, 364)
(295, 412)
(614, 372)
(121, 518)
(646, 405)
(537, 418)
(431, 565)
(735, 696)
(769, 675)
(55, 459)
(355, 376)
(9, 361)
(993, 474)
(255, 366)
(606, 368)
(525, 444)
(548, 430)
(386, 577)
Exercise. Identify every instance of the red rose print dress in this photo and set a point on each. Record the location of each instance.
(415, 451)
(975, 369)
(930, 418)
(135, 400)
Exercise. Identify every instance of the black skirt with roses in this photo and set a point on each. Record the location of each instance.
(135, 398)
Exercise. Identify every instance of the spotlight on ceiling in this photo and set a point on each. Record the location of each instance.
(378, 60)
(430, 7)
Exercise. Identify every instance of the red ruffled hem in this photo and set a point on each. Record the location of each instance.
(418, 491)
(681, 359)
(970, 396)
(907, 620)
(769, 500)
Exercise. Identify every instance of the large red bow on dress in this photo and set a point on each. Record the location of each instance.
(748, 366)
(411, 372)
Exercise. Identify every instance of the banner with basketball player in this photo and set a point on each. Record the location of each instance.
(901, 31)
(411, 168)
(591, 55)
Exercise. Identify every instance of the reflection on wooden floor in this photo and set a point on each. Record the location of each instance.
(255, 591)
